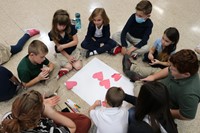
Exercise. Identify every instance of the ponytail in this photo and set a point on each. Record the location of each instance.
(26, 113)
(11, 126)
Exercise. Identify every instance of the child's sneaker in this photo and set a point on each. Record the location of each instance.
(87, 54)
(133, 76)
(90, 53)
(62, 72)
(116, 50)
(32, 32)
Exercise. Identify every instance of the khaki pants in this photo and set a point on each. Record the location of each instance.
(144, 71)
(62, 60)
(131, 41)
(137, 86)
(5, 53)
(50, 86)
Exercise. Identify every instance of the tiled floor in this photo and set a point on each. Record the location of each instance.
(17, 15)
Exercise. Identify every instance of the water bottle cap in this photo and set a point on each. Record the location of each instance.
(77, 15)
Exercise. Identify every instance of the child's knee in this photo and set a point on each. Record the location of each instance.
(84, 44)
(85, 123)
(78, 65)
(68, 66)
(88, 123)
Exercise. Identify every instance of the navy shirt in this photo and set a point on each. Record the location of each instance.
(66, 39)
(137, 30)
(91, 32)
(7, 88)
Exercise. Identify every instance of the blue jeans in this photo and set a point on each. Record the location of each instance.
(20, 44)
(131, 116)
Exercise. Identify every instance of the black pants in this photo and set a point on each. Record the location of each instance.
(95, 45)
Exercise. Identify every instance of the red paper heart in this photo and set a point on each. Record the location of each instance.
(105, 83)
(70, 84)
(116, 76)
(98, 75)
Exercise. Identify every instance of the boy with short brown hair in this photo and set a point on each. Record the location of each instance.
(135, 34)
(35, 67)
(111, 118)
(183, 83)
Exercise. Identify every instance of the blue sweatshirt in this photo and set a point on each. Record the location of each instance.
(137, 30)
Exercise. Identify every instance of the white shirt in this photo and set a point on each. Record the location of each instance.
(98, 32)
(110, 120)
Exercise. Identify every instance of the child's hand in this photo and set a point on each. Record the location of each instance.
(43, 75)
(155, 61)
(60, 48)
(71, 59)
(52, 101)
(151, 57)
(46, 69)
(124, 50)
(128, 52)
(131, 50)
(97, 103)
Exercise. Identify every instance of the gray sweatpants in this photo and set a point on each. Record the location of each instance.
(131, 41)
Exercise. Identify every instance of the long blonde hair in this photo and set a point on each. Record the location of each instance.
(102, 13)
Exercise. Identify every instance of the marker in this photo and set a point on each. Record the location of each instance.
(76, 105)
(69, 107)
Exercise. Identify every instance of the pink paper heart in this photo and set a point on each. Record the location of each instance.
(98, 75)
(70, 84)
(116, 76)
(103, 103)
(105, 83)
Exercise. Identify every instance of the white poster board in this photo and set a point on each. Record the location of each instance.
(89, 89)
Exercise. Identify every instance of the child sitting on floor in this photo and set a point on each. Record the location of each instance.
(35, 69)
(112, 118)
(98, 39)
(7, 51)
(63, 33)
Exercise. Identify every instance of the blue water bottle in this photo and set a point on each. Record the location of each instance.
(78, 21)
